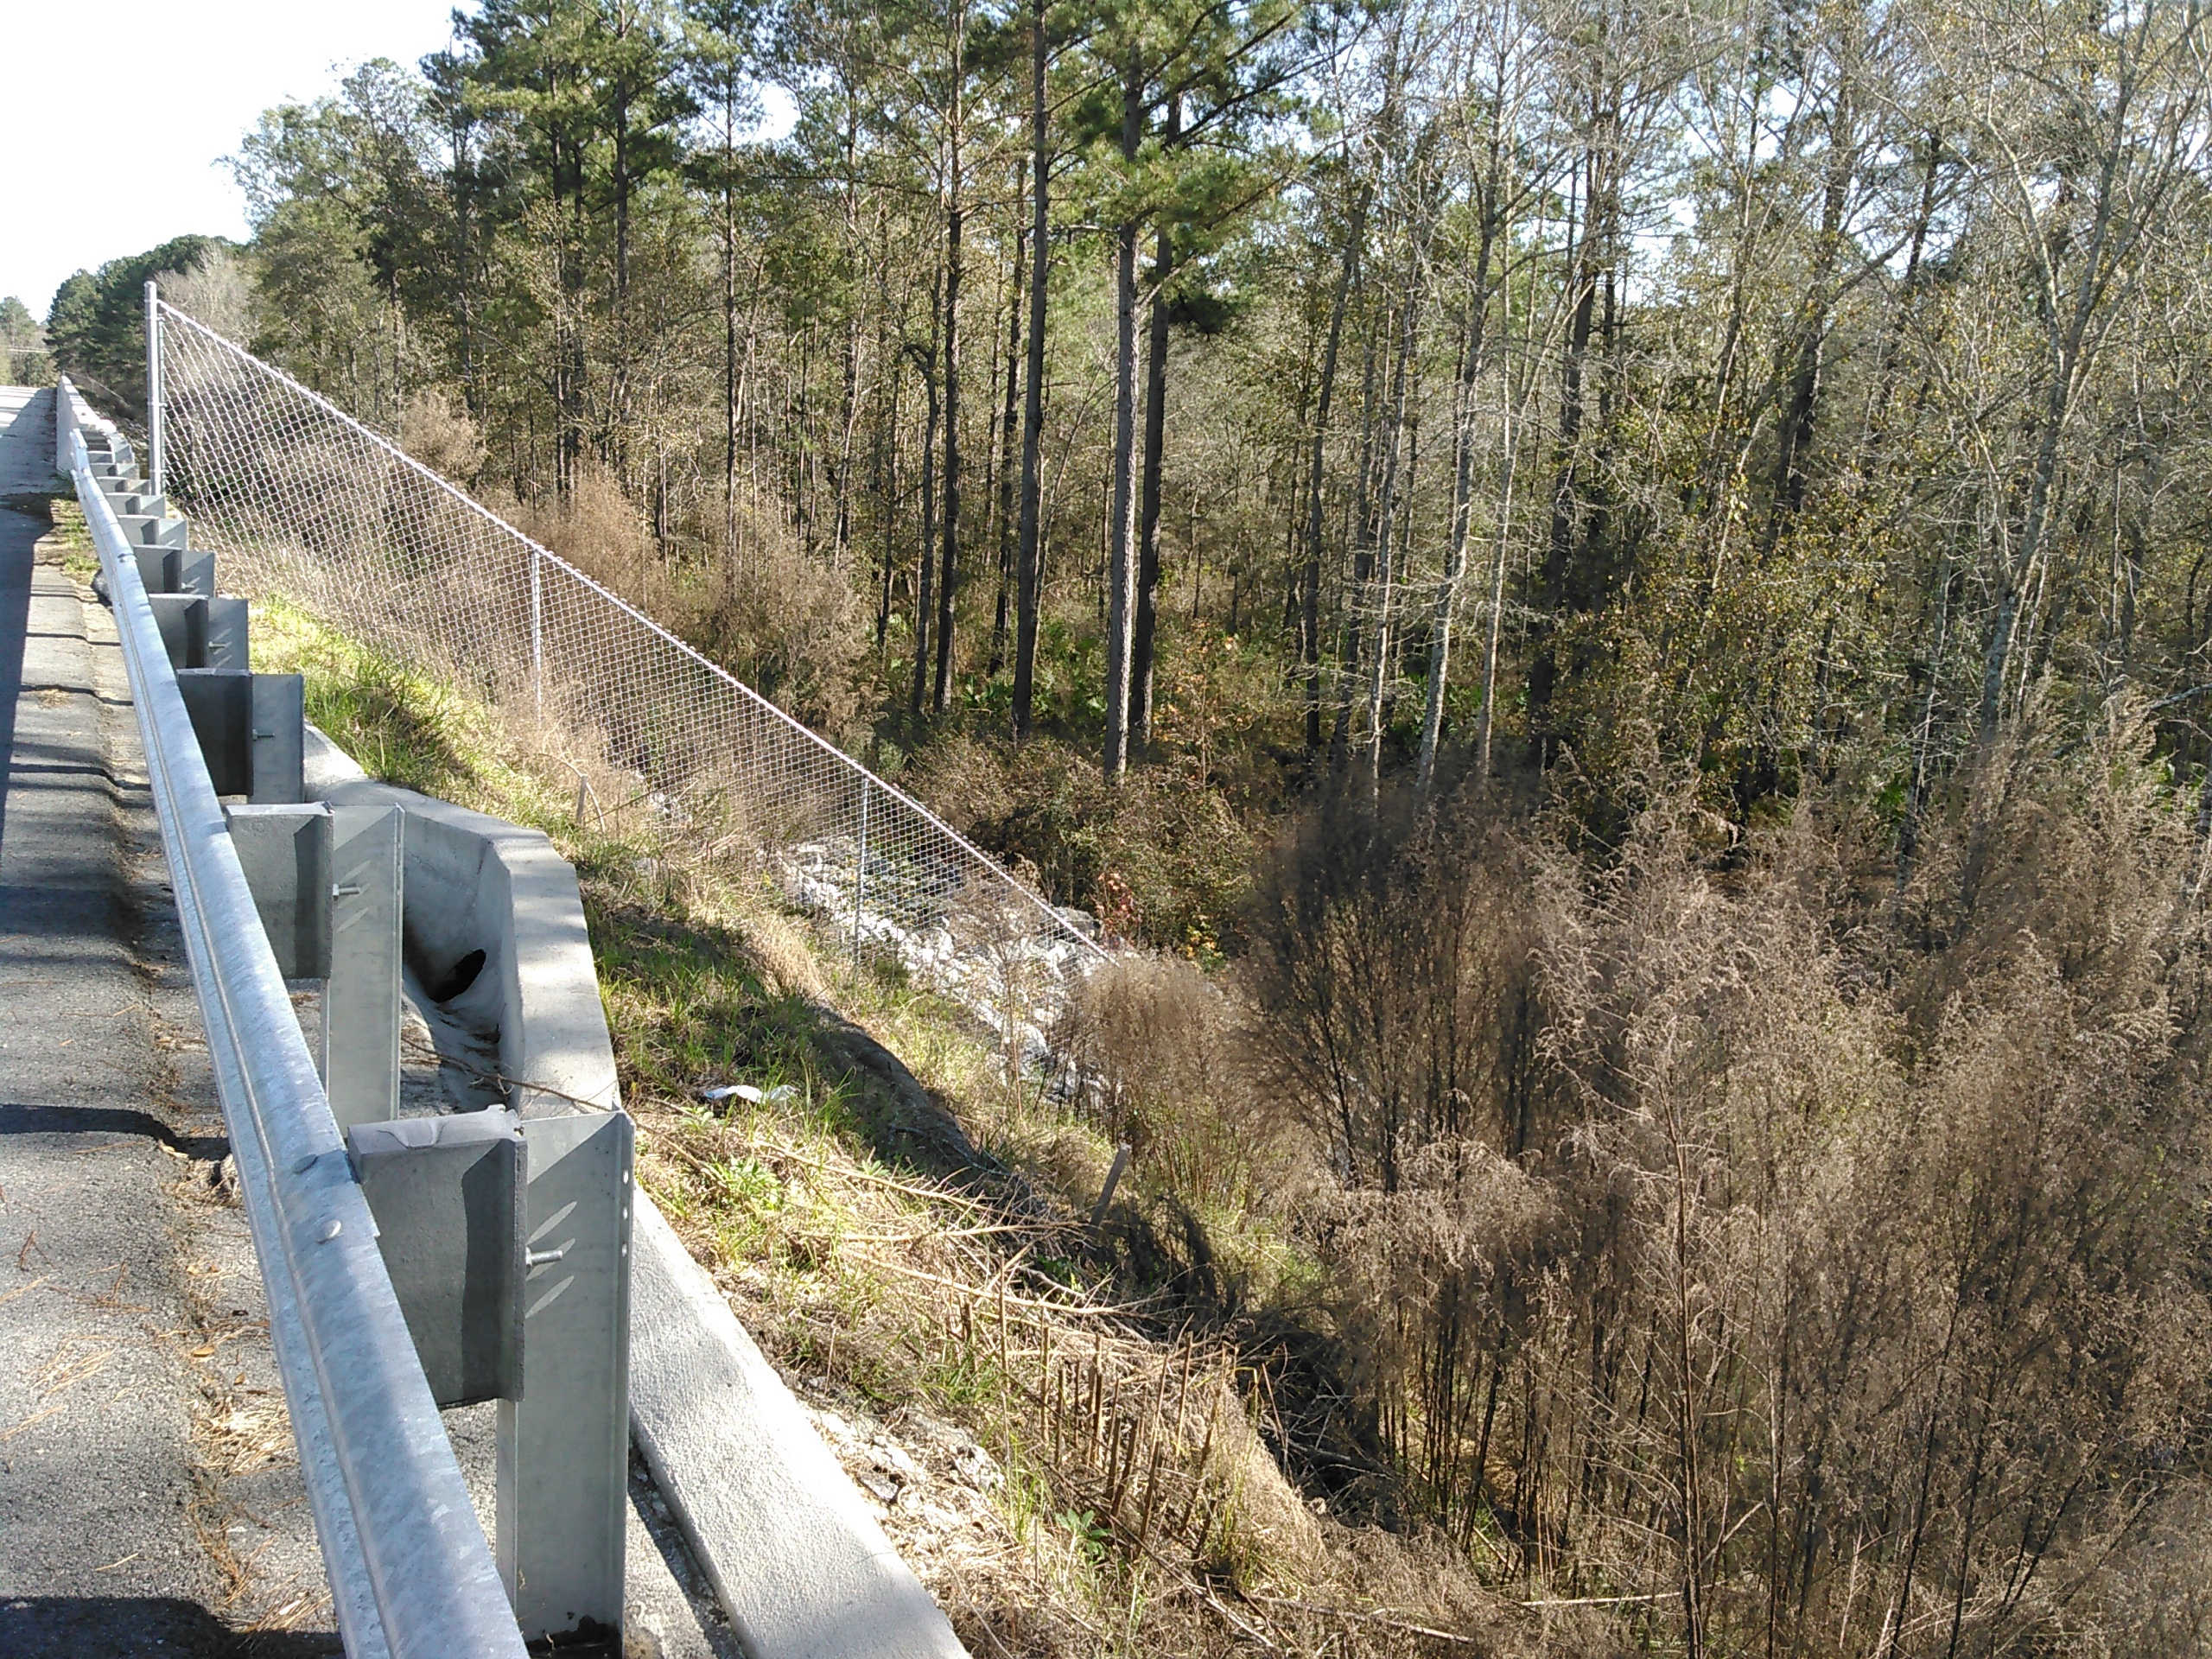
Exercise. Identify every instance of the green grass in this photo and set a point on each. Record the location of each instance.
(687, 1001)
(72, 539)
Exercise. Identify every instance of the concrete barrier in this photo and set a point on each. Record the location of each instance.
(794, 1554)
(796, 1557)
(493, 939)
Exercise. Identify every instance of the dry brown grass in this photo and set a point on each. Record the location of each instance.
(1112, 1491)
(790, 624)
(441, 437)
(1715, 1238)
(963, 1300)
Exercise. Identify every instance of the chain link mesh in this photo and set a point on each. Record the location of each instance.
(305, 504)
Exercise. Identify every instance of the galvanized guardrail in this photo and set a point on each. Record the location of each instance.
(411, 1574)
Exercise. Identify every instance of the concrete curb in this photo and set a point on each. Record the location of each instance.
(805, 1573)
(794, 1554)
(478, 883)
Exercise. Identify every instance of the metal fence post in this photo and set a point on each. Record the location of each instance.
(537, 629)
(156, 448)
(859, 874)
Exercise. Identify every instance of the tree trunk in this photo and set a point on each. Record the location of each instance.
(1156, 435)
(1794, 433)
(2016, 572)
(1463, 444)
(1002, 504)
(1563, 589)
(849, 412)
(568, 324)
(1032, 414)
(955, 219)
(1351, 642)
(886, 503)
(1924, 738)
(949, 577)
(2066, 357)
(1497, 618)
(729, 366)
(1120, 564)
(1309, 622)
(887, 437)
(1382, 589)
(927, 363)
(618, 376)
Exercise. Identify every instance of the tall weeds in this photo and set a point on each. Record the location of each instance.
(1800, 1270)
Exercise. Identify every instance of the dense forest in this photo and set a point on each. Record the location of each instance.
(1781, 392)
(1628, 583)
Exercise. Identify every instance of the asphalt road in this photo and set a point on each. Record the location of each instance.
(26, 416)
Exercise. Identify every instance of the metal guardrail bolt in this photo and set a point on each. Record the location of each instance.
(331, 1230)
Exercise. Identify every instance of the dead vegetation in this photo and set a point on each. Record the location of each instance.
(1530, 1243)
(792, 627)
(1722, 1233)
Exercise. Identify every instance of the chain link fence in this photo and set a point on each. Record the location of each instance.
(305, 504)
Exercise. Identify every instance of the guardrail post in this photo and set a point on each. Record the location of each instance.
(446, 1194)
(156, 448)
(279, 736)
(145, 529)
(508, 1242)
(285, 852)
(182, 618)
(174, 568)
(133, 497)
(564, 1446)
(251, 729)
(201, 632)
(224, 635)
(359, 1055)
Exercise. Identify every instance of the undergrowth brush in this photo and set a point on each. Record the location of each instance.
(913, 1237)
(1526, 1242)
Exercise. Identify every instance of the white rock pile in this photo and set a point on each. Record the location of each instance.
(1011, 962)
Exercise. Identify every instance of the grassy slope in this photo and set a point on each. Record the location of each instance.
(1068, 1479)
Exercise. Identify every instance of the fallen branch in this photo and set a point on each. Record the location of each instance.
(1389, 1621)
(1119, 1311)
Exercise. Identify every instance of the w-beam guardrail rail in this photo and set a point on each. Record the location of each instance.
(405, 1259)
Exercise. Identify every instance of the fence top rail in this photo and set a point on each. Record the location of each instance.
(1012, 888)
(430, 1572)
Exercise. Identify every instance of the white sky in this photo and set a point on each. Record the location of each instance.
(115, 118)
(114, 142)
